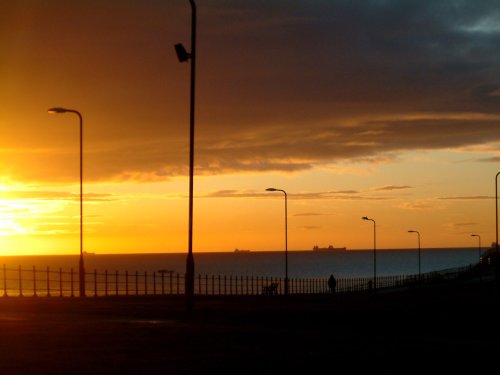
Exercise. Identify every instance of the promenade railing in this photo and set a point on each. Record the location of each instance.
(47, 282)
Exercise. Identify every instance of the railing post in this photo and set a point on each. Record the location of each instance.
(225, 285)
(106, 283)
(213, 285)
(170, 277)
(20, 283)
(219, 289)
(95, 283)
(116, 282)
(71, 283)
(178, 281)
(145, 283)
(5, 281)
(163, 283)
(199, 283)
(126, 283)
(34, 281)
(136, 283)
(154, 283)
(60, 282)
(48, 281)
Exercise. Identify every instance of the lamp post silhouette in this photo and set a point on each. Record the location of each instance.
(479, 246)
(374, 251)
(81, 267)
(184, 56)
(286, 237)
(418, 234)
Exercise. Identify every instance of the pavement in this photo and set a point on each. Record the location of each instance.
(444, 328)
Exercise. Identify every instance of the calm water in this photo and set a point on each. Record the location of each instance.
(301, 264)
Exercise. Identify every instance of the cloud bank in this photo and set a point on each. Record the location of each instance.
(282, 86)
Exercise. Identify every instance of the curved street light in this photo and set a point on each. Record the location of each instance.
(286, 237)
(374, 251)
(81, 268)
(418, 234)
(184, 56)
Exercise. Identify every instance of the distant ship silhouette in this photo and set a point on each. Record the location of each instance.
(241, 251)
(328, 249)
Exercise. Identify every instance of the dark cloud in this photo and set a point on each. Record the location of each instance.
(281, 86)
(303, 148)
(331, 56)
(309, 214)
(472, 197)
(494, 159)
(329, 195)
(310, 227)
(392, 187)
(417, 206)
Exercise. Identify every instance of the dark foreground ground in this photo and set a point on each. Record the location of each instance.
(443, 329)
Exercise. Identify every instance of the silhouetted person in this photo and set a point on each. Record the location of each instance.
(332, 284)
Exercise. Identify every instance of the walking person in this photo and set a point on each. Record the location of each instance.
(332, 283)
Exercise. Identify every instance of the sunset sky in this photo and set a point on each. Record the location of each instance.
(387, 109)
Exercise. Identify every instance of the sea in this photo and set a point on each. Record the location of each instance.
(301, 264)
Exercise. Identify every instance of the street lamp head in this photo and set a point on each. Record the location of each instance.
(365, 218)
(181, 52)
(474, 235)
(271, 189)
(57, 110)
(412, 231)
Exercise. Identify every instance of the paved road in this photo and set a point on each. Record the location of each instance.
(414, 331)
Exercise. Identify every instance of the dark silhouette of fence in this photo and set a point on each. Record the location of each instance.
(47, 282)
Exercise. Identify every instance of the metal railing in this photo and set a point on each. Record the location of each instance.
(48, 282)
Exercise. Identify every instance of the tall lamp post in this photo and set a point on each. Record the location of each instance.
(184, 56)
(286, 237)
(374, 251)
(81, 268)
(418, 234)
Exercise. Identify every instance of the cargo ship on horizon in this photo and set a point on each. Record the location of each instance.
(328, 249)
